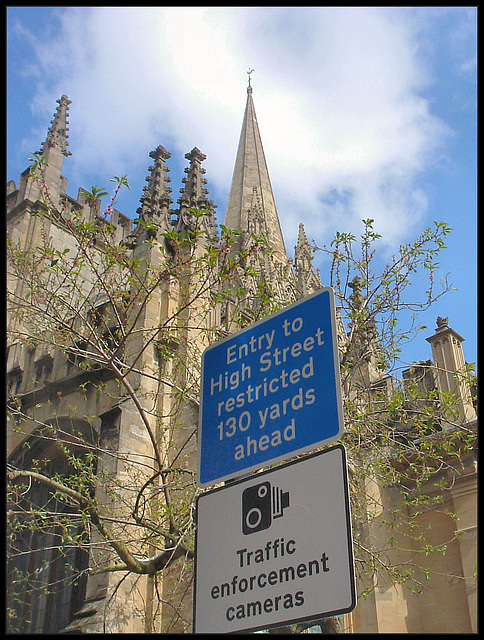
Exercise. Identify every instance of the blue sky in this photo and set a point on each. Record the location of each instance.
(364, 112)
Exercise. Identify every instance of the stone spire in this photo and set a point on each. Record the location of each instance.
(366, 349)
(57, 135)
(195, 195)
(156, 200)
(308, 280)
(252, 176)
(53, 150)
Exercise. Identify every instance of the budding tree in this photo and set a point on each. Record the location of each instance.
(111, 328)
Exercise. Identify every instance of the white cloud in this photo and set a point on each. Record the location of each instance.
(336, 92)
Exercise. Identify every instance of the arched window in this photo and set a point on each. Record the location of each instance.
(47, 559)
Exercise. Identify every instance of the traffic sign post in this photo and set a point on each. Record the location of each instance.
(271, 391)
(275, 548)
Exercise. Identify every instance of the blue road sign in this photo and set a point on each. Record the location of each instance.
(271, 391)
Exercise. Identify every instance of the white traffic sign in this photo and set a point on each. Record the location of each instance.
(275, 548)
(271, 391)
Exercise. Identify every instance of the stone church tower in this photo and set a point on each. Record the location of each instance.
(449, 362)
(50, 388)
(55, 389)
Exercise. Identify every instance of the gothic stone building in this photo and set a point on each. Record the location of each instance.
(52, 388)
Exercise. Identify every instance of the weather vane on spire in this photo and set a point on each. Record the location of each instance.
(248, 73)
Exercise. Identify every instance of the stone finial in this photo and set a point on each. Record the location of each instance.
(193, 193)
(308, 279)
(57, 135)
(155, 201)
(356, 297)
(442, 323)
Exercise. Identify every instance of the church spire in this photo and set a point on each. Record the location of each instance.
(53, 151)
(308, 280)
(57, 135)
(156, 200)
(252, 176)
(194, 194)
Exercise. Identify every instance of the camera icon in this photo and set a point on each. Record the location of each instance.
(260, 504)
